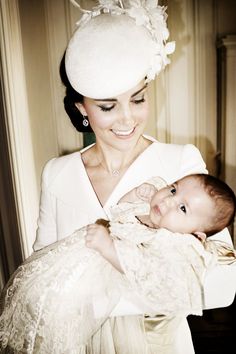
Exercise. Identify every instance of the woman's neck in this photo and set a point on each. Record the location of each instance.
(116, 162)
(105, 166)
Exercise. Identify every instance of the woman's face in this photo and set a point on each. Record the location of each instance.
(118, 122)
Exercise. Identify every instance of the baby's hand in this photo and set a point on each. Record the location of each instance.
(145, 191)
(98, 238)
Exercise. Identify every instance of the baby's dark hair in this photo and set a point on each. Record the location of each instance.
(71, 98)
(225, 202)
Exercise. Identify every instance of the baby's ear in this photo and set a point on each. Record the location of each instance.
(200, 235)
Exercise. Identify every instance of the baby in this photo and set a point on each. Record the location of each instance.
(198, 204)
(154, 254)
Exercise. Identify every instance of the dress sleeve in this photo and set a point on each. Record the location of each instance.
(166, 274)
(220, 277)
(46, 231)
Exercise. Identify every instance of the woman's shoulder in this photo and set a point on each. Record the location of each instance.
(176, 153)
(57, 163)
(173, 161)
(170, 146)
(174, 148)
(61, 165)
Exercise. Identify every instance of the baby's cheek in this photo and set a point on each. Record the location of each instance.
(171, 222)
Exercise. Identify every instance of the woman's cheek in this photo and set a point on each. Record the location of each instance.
(101, 119)
(143, 113)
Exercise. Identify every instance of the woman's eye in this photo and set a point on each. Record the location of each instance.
(106, 108)
(182, 207)
(138, 101)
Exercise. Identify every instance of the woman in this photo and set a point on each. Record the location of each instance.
(109, 61)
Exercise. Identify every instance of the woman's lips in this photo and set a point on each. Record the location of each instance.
(123, 133)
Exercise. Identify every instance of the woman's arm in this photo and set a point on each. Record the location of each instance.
(46, 232)
(220, 287)
(218, 278)
(221, 276)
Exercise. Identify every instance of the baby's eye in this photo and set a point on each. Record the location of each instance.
(182, 207)
(172, 190)
(106, 108)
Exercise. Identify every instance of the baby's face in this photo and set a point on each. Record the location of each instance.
(182, 207)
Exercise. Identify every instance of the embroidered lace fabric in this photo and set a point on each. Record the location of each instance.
(60, 299)
(48, 307)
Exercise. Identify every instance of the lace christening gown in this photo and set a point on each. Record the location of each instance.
(58, 301)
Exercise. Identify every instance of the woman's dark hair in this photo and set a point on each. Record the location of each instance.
(72, 97)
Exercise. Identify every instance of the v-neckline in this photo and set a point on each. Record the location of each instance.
(120, 182)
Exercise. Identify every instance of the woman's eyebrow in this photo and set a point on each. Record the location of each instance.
(136, 93)
(105, 99)
(115, 99)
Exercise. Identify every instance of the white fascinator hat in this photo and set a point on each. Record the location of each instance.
(116, 45)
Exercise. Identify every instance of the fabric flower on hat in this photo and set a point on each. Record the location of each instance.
(105, 6)
(153, 17)
(139, 14)
(150, 15)
(112, 6)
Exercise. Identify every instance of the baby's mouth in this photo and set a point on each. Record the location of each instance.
(156, 210)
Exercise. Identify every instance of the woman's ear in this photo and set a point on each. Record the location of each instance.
(200, 235)
(81, 108)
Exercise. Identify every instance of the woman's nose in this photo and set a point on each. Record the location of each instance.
(126, 115)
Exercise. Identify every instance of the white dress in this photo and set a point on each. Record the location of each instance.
(58, 300)
(68, 202)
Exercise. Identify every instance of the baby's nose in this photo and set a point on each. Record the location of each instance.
(170, 202)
